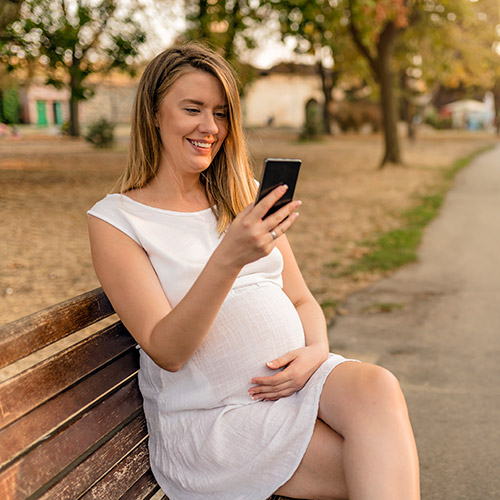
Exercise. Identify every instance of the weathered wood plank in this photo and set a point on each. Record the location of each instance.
(143, 489)
(113, 485)
(29, 389)
(72, 425)
(86, 474)
(27, 335)
(39, 423)
(65, 450)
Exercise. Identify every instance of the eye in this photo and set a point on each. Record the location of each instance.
(192, 111)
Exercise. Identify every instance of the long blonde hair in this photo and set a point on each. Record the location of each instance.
(228, 180)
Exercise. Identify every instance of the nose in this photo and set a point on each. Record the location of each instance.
(208, 125)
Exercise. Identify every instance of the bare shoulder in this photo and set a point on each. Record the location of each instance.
(128, 278)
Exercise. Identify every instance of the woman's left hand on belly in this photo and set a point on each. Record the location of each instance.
(299, 365)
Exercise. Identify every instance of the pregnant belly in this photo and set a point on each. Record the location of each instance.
(256, 324)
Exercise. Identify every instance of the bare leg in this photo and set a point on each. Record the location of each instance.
(365, 405)
(366, 450)
(321, 473)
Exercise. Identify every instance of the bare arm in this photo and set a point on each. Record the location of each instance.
(172, 335)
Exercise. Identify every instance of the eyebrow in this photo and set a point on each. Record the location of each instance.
(201, 103)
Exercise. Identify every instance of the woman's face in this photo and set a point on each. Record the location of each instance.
(192, 120)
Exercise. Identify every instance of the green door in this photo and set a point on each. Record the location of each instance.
(41, 111)
(58, 116)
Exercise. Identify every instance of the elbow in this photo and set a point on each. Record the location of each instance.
(173, 367)
(170, 365)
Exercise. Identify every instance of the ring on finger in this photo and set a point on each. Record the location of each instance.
(273, 234)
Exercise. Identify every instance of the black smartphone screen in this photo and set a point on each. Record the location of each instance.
(278, 171)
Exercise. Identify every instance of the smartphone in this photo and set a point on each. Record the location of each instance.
(278, 171)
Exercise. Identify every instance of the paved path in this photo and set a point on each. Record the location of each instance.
(442, 338)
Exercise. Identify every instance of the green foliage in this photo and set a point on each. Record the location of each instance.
(313, 126)
(101, 134)
(317, 29)
(66, 128)
(72, 39)
(10, 105)
(437, 122)
(227, 26)
(313, 24)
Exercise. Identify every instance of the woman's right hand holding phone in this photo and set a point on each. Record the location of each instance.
(250, 237)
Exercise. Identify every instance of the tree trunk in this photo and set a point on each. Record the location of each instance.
(74, 119)
(496, 100)
(380, 65)
(385, 77)
(327, 86)
(204, 18)
(74, 128)
(407, 107)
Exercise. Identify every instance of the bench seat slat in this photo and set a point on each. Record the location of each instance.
(68, 405)
(27, 335)
(32, 387)
(87, 473)
(132, 467)
(65, 450)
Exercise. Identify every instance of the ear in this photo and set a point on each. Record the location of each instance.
(155, 120)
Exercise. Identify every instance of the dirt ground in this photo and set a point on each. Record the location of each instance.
(47, 183)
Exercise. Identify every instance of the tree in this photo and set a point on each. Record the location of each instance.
(72, 39)
(375, 27)
(487, 40)
(443, 34)
(226, 26)
(448, 39)
(317, 31)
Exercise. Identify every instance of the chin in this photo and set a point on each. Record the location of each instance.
(203, 165)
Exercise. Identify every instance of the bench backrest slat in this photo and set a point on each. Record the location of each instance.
(85, 475)
(31, 388)
(72, 424)
(134, 467)
(37, 424)
(61, 452)
(27, 335)
(142, 489)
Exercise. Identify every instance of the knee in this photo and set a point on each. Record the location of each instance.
(378, 390)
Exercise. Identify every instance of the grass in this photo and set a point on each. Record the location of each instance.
(399, 247)
(385, 307)
(329, 306)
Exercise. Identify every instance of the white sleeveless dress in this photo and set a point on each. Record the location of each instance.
(208, 439)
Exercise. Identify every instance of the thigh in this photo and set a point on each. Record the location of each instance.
(320, 475)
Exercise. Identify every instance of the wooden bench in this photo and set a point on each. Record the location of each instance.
(71, 420)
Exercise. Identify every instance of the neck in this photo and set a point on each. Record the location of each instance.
(182, 192)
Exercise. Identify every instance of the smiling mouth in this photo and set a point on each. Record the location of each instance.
(200, 144)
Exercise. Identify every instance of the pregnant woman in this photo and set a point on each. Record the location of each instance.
(241, 396)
